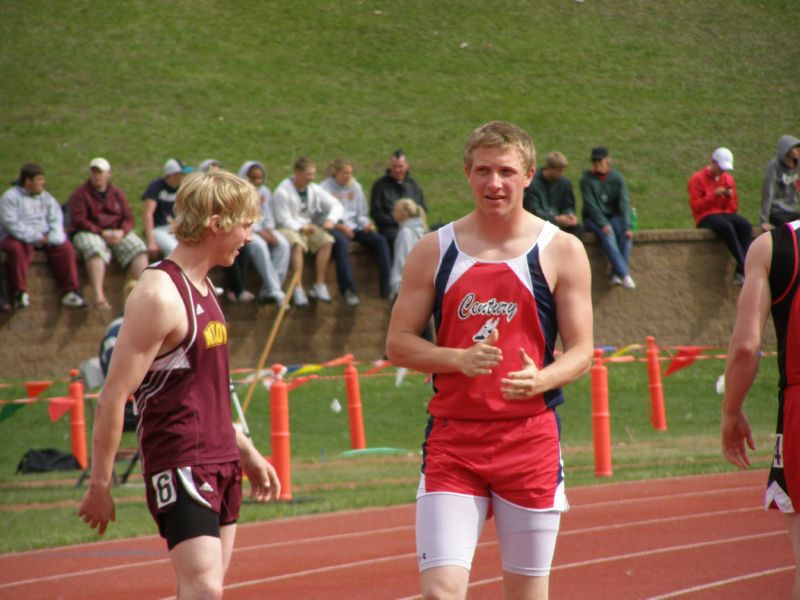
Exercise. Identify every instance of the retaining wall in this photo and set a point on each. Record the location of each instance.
(684, 295)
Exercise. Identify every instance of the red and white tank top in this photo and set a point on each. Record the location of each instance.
(475, 297)
(184, 400)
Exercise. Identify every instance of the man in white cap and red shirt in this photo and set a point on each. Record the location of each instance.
(101, 226)
(714, 202)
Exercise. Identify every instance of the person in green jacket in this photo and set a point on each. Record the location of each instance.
(550, 196)
(607, 214)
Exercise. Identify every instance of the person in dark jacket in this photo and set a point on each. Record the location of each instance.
(394, 185)
(607, 214)
(550, 196)
(101, 226)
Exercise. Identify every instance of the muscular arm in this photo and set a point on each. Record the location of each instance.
(147, 222)
(154, 321)
(566, 261)
(404, 346)
(743, 351)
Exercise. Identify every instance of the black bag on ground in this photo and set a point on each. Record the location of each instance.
(49, 459)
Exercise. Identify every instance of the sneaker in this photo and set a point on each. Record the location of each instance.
(73, 300)
(628, 282)
(615, 280)
(351, 298)
(218, 291)
(244, 297)
(23, 300)
(320, 292)
(265, 297)
(299, 296)
(738, 279)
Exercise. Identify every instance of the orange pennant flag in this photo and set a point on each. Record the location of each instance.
(686, 356)
(58, 406)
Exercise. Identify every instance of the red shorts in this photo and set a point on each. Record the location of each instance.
(217, 487)
(516, 459)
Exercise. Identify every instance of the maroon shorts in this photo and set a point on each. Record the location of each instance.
(215, 487)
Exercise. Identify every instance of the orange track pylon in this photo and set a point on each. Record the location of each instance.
(354, 410)
(658, 416)
(280, 436)
(77, 420)
(601, 418)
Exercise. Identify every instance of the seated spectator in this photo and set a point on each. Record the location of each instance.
(779, 194)
(305, 214)
(411, 218)
(713, 200)
(269, 251)
(607, 214)
(31, 219)
(395, 184)
(159, 200)
(208, 164)
(355, 224)
(101, 225)
(550, 196)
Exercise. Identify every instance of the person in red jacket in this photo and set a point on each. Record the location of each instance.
(101, 226)
(713, 200)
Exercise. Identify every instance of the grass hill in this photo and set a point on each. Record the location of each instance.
(661, 83)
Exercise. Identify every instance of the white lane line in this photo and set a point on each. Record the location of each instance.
(341, 536)
(316, 540)
(645, 553)
(409, 555)
(724, 582)
(638, 499)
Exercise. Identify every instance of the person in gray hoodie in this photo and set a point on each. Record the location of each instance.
(779, 194)
(31, 219)
(411, 218)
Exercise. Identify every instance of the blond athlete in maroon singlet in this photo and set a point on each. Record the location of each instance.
(501, 286)
(771, 284)
(173, 329)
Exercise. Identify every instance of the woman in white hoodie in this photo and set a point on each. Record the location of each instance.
(411, 218)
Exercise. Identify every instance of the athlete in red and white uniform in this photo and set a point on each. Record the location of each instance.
(771, 283)
(172, 354)
(502, 285)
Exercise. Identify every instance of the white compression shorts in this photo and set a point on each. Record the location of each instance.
(449, 526)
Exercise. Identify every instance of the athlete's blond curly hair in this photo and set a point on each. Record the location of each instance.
(203, 195)
(505, 135)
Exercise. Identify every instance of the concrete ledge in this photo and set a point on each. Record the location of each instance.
(685, 295)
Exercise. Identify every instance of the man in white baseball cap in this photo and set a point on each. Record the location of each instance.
(159, 200)
(101, 225)
(714, 202)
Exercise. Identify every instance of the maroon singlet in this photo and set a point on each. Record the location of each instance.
(184, 400)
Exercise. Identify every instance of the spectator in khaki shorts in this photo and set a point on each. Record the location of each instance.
(101, 226)
(305, 214)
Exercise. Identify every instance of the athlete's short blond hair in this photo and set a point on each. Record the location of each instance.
(203, 195)
(505, 135)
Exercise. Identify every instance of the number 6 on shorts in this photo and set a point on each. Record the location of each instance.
(164, 486)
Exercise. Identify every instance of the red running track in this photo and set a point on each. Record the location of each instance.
(689, 537)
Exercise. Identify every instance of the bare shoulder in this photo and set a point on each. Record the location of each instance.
(565, 259)
(426, 249)
(154, 301)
